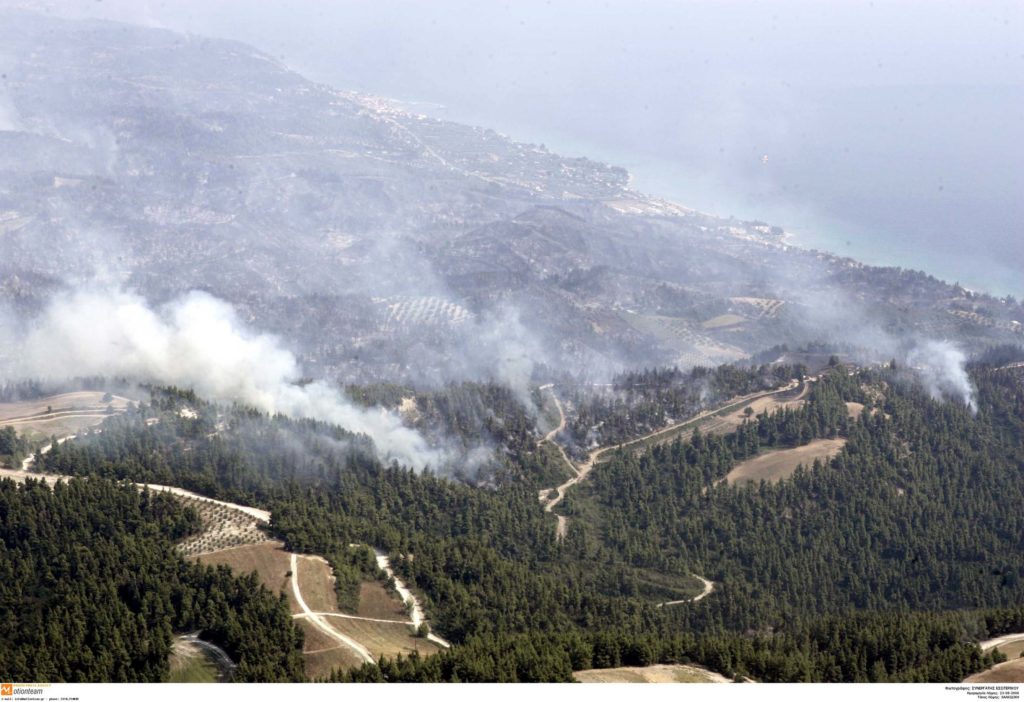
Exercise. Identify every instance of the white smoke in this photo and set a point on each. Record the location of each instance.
(198, 341)
(941, 366)
(9, 121)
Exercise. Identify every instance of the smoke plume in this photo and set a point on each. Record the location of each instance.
(197, 341)
(941, 366)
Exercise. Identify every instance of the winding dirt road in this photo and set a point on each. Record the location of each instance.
(583, 469)
(317, 619)
(709, 587)
(416, 615)
(415, 607)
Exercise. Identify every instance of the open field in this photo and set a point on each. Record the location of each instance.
(67, 413)
(322, 654)
(269, 559)
(728, 422)
(651, 674)
(317, 583)
(776, 465)
(1013, 649)
(191, 664)
(1012, 671)
(383, 639)
(194, 660)
(375, 602)
(722, 321)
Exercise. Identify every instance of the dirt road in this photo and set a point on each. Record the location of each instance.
(709, 587)
(415, 607)
(1000, 640)
(582, 470)
(318, 621)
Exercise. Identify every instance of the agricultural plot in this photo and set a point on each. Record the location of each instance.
(63, 414)
(683, 335)
(404, 312)
(727, 423)
(777, 465)
(651, 674)
(223, 528)
(758, 307)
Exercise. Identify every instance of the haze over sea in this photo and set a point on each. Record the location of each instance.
(892, 132)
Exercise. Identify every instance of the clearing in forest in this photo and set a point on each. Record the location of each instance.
(66, 413)
(194, 661)
(388, 639)
(776, 465)
(1012, 671)
(375, 602)
(269, 560)
(651, 674)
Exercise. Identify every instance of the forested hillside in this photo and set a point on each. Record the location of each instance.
(906, 540)
(91, 589)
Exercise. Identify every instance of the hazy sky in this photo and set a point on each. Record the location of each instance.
(894, 130)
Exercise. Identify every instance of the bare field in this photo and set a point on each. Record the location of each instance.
(66, 413)
(317, 584)
(322, 654)
(723, 320)
(727, 423)
(269, 560)
(776, 465)
(651, 674)
(1012, 649)
(383, 639)
(375, 602)
(1012, 671)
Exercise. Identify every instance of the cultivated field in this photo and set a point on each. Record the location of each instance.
(727, 423)
(776, 465)
(223, 528)
(61, 414)
(651, 674)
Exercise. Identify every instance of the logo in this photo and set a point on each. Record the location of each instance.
(7, 689)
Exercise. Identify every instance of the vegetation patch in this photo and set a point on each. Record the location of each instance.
(192, 664)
